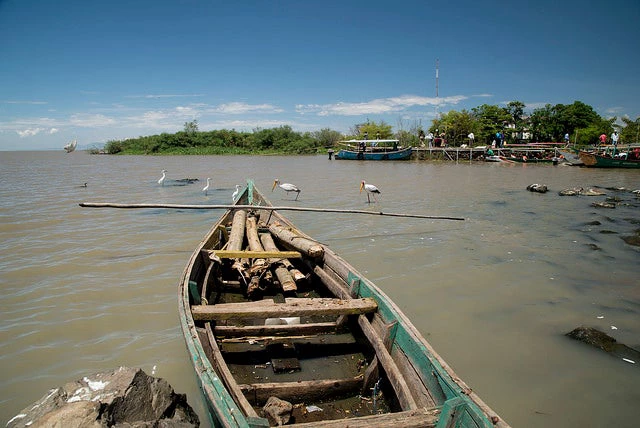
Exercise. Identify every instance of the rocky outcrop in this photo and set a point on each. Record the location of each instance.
(598, 339)
(571, 192)
(539, 188)
(126, 397)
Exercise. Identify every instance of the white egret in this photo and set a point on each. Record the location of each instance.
(205, 189)
(287, 187)
(236, 193)
(164, 175)
(371, 189)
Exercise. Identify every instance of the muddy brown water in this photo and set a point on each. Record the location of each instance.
(88, 290)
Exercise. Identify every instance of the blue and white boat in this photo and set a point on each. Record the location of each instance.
(377, 150)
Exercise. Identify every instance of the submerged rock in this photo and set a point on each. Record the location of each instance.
(603, 205)
(592, 192)
(539, 188)
(633, 239)
(125, 397)
(593, 337)
(571, 192)
(598, 339)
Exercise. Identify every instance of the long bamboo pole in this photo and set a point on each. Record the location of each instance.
(253, 207)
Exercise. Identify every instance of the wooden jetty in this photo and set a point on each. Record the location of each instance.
(459, 154)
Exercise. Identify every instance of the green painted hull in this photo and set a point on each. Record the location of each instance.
(427, 391)
(595, 160)
(403, 154)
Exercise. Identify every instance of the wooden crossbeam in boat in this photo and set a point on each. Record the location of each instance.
(293, 307)
(275, 330)
(259, 393)
(418, 418)
(246, 254)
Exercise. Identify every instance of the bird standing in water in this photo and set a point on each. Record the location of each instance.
(236, 193)
(287, 187)
(371, 189)
(205, 189)
(164, 175)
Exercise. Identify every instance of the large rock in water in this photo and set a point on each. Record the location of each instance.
(126, 397)
(594, 337)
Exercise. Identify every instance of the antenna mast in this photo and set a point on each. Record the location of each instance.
(437, 77)
(437, 65)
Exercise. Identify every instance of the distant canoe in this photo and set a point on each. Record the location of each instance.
(378, 151)
(71, 146)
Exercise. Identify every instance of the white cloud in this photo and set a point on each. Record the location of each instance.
(241, 108)
(24, 102)
(85, 120)
(534, 106)
(245, 124)
(378, 106)
(155, 96)
(29, 132)
(53, 131)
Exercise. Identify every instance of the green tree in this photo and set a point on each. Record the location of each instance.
(630, 133)
(544, 126)
(515, 109)
(490, 120)
(456, 126)
(191, 127)
(327, 137)
(373, 130)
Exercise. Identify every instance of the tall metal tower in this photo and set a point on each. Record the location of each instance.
(437, 77)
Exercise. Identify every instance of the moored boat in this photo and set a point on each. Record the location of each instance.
(571, 156)
(615, 159)
(373, 150)
(270, 315)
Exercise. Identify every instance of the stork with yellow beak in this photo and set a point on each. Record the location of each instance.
(287, 187)
(371, 189)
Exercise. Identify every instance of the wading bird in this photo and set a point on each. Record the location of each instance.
(287, 187)
(370, 188)
(164, 175)
(205, 189)
(236, 193)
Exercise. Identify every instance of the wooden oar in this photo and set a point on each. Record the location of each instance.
(248, 207)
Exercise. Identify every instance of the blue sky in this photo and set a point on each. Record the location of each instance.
(103, 70)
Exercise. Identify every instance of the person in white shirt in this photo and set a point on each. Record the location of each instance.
(614, 138)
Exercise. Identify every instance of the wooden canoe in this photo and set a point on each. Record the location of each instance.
(600, 160)
(266, 311)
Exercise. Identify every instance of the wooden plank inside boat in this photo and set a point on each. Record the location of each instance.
(419, 418)
(293, 307)
(248, 254)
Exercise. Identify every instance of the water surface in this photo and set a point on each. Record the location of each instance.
(87, 290)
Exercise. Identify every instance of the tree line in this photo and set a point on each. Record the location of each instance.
(282, 139)
(546, 124)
